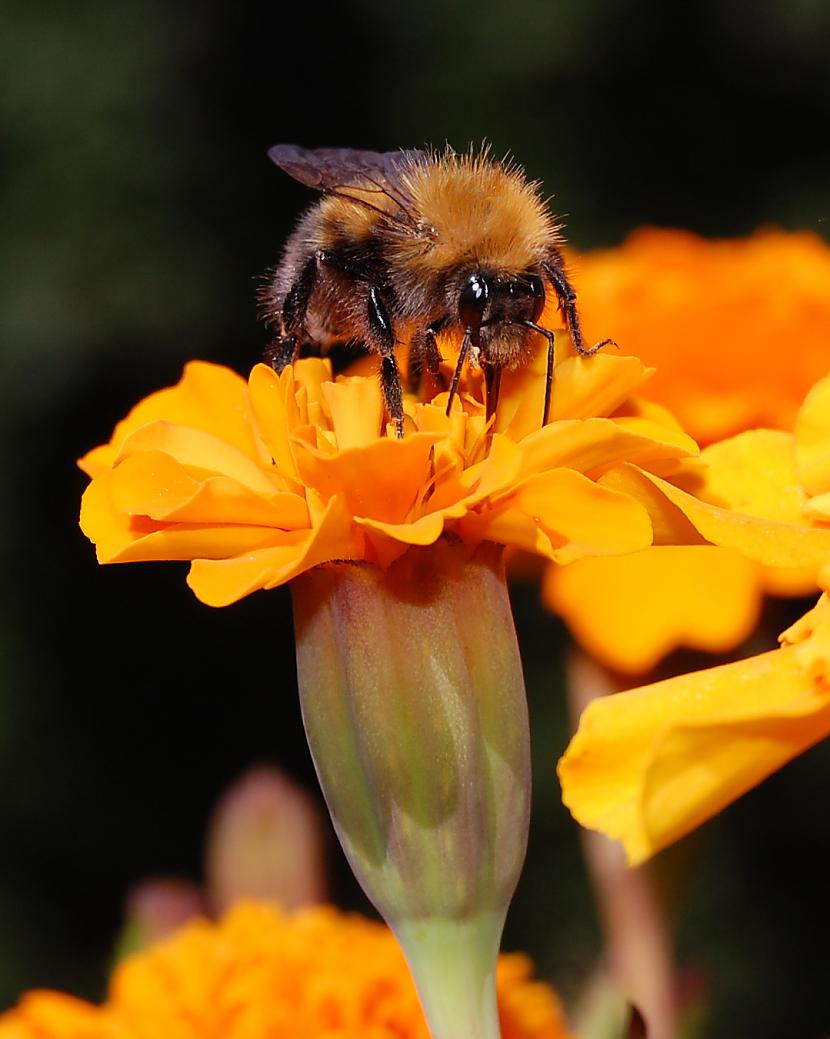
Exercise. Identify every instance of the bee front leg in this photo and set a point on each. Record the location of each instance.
(281, 352)
(567, 301)
(382, 339)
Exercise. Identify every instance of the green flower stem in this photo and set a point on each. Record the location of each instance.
(414, 707)
(458, 960)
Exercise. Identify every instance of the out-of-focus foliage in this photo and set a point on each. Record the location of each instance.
(137, 211)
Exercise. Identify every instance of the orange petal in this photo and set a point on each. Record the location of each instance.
(199, 450)
(670, 525)
(186, 541)
(812, 434)
(380, 481)
(121, 538)
(497, 473)
(454, 496)
(507, 526)
(221, 582)
(209, 397)
(753, 473)
(818, 508)
(107, 529)
(356, 407)
(582, 387)
(277, 414)
(153, 484)
(574, 515)
(596, 444)
(629, 611)
(582, 516)
(310, 375)
(648, 766)
(769, 541)
(423, 531)
(789, 582)
(592, 387)
(51, 1014)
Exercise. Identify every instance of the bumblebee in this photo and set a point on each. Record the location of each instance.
(406, 245)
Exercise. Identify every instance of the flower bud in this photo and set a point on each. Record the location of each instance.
(155, 909)
(414, 706)
(265, 842)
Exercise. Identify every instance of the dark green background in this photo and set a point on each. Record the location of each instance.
(138, 210)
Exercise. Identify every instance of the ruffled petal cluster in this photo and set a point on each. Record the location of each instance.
(647, 766)
(715, 318)
(257, 482)
(261, 974)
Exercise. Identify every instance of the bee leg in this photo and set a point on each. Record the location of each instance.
(281, 352)
(546, 332)
(295, 304)
(290, 318)
(567, 301)
(456, 375)
(415, 365)
(548, 382)
(423, 353)
(492, 381)
(431, 352)
(383, 339)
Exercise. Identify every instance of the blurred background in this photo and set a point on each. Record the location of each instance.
(138, 211)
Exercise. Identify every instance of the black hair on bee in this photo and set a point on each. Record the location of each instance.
(404, 245)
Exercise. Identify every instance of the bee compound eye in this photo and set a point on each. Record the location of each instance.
(472, 302)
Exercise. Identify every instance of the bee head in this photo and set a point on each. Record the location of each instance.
(490, 299)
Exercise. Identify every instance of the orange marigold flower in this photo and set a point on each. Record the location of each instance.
(263, 974)
(257, 483)
(738, 332)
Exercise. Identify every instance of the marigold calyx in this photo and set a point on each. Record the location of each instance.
(414, 706)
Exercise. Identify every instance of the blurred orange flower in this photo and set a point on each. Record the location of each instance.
(263, 974)
(647, 766)
(738, 331)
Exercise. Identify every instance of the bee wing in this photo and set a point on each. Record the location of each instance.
(336, 171)
(330, 169)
